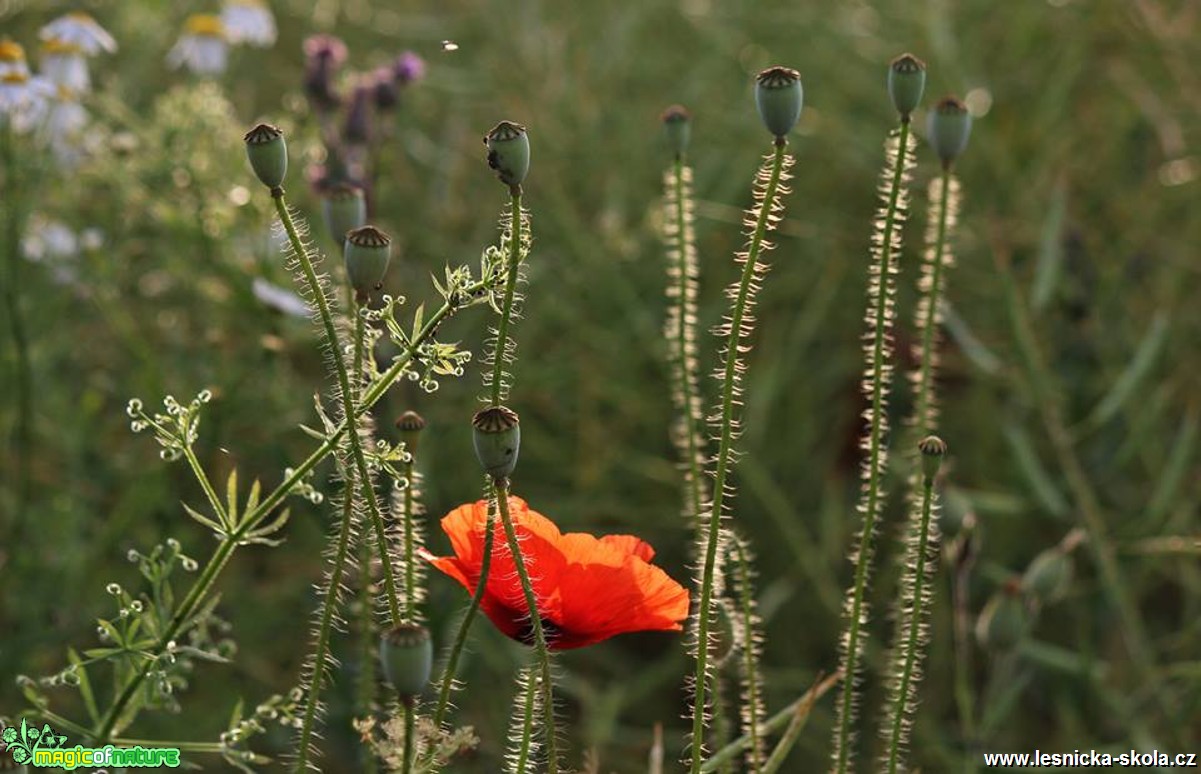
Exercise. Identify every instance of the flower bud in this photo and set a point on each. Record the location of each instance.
(407, 656)
(906, 82)
(367, 252)
(1003, 623)
(677, 123)
(949, 125)
(344, 208)
(497, 440)
(779, 97)
(268, 154)
(410, 424)
(933, 449)
(509, 152)
(1049, 575)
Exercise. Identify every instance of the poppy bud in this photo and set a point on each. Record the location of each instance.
(933, 449)
(410, 426)
(948, 128)
(367, 252)
(1048, 576)
(677, 123)
(497, 440)
(1003, 623)
(407, 656)
(906, 82)
(779, 97)
(268, 154)
(344, 208)
(509, 152)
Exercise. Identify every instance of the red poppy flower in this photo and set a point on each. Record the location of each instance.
(587, 588)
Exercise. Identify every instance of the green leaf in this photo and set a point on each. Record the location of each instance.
(1032, 468)
(203, 655)
(97, 654)
(1050, 254)
(1173, 473)
(205, 520)
(111, 631)
(256, 491)
(85, 685)
(1132, 378)
(231, 496)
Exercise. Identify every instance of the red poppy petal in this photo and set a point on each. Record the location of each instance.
(604, 600)
(628, 544)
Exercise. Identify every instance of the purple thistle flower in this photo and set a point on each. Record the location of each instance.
(408, 67)
(323, 54)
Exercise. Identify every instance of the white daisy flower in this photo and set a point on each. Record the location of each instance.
(12, 58)
(80, 29)
(279, 299)
(63, 126)
(202, 48)
(24, 99)
(249, 22)
(65, 64)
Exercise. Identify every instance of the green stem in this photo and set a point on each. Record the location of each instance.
(902, 699)
(501, 489)
(203, 479)
(785, 745)
(965, 698)
(685, 377)
(930, 320)
(527, 722)
(502, 331)
(22, 432)
(875, 448)
(725, 449)
(365, 695)
(410, 579)
(410, 732)
(749, 662)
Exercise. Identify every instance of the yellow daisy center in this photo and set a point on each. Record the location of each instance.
(56, 46)
(205, 24)
(11, 52)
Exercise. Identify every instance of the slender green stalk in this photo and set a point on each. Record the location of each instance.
(748, 619)
(410, 579)
(904, 698)
(501, 352)
(365, 693)
(925, 411)
(965, 695)
(526, 728)
(22, 432)
(767, 206)
(410, 709)
(880, 311)
(785, 745)
(541, 654)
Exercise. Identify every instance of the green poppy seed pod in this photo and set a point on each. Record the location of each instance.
(367, 252)
(1049, 575)
(933, 449)
(906, 82)
(410, 424)
(407, 656)
(779, 97)
(1003, 623)
(268, 154)
(344, 208)
(497, 440)
(509, 152)
(948, 128)
(677, 124)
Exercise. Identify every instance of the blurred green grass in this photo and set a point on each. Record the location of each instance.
(1096, 100)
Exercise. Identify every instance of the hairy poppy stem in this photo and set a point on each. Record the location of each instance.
(410, 708)
(502, 332)
(501, 488)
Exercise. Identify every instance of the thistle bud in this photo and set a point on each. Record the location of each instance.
(268, 154)
(906, 82)
(933, 449)
(1003, 623)
(344, 208)
(1049, 575)
(407, 656)
(779, 97)
(497, 440)
(948, 128)
(410, 424)
(367, 252)
(509, 152)
(677, 123)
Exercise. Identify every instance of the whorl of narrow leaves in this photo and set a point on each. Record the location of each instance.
(498, 259)
(877, 378)
(736, 328)
(748, 639)
(527, 715)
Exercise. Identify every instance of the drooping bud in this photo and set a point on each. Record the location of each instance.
(367, 252)
(268, 154)
(410, 424)
(948, 128)
(779, 97)
(906, 82)
(407, 656)
(509, 152)
(1049, 575)
(933, 449)
(1003, 623)
(497, 439)
(344, 208)
(677, 123)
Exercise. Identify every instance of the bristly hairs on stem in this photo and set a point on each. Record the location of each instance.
(761, 218)
(748, 639)
(527, 708)
(877, 378)
(500, 350)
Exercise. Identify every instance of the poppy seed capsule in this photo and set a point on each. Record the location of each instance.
(367, 252)
(344, 208)
(268, 154)
(1003, 623)
(1049, 575)
(677, 123)
(509, 152)
(906, 82)
(407, 656)
(948, 127)
(779, 97)
(410, 424)
(497, 439)
(933, 449)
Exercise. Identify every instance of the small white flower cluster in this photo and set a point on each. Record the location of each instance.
(204, 46)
